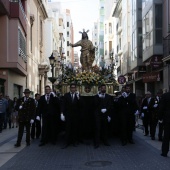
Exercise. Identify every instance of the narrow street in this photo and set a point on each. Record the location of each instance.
(144, 154)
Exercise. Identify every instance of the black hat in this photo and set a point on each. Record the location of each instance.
(27, 91)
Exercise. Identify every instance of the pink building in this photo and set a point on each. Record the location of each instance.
(13, 53)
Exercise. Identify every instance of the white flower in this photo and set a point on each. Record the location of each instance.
(20, 107)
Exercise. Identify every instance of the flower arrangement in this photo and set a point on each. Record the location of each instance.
(86, 78)
(93, 77)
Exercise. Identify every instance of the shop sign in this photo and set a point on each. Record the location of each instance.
(151, 77)
(142, 69)
(121, 79)
(156, 61)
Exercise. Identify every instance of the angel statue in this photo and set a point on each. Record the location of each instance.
(87, 51)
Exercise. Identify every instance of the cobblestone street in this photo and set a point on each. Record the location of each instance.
(144, 154)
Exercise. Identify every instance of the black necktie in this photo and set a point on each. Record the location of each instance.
(48, 98)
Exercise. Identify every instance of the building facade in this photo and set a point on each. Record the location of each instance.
(166, 44)
(68, 34)
(95, 41)
(101, 29)
(36, 64)
(152, 45)
(13, 47)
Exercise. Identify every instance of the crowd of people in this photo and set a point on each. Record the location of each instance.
(44, 116)
(8, 114)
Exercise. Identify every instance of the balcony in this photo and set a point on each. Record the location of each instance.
(17, 11)
(166, 48)
(4, 7)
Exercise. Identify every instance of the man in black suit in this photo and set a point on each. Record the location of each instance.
(71, 114)
(154, 104)
(49, 109)
(128, 109)
(164, 114)
(102, 116)
(26, 113)
(36, 126)
(147, 109)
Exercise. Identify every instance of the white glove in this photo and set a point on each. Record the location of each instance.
(31, 121)
(62, 117)
(160, 121)
(53, 94)
(20, 107)
(155, 105)
(124, 94)
(145, 107)
(77, 94)
(108, 118)
(103, 110)
(142, 115)
(38, 118)
(137, 112)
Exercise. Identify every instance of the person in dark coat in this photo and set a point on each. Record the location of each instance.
(36, 126)
(154, 113)
(128, 109)
(9, 110)
(26, 113)
(49, 110)
(147, 109)
(164, 114)
(71, 114)
(102, 116)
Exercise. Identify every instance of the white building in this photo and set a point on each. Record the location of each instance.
(68, 34)
(95, 42)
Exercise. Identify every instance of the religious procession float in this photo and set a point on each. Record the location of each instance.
(88, 78)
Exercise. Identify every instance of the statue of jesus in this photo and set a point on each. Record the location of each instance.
(87, 51)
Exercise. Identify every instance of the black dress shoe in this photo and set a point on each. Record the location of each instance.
(131, 141)
(153, 138)
(54, 143)
(106, 144)
(160, 139)
(164, 155)
(41, 144)
(96, 146)
(74, 144)
(28, 144)
(17, 145)
(65, 146)
(124, 143)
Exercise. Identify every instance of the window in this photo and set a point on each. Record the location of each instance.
(67, 24)
(67, 33)
(60, 22)
(68, 43)
(22, 45)
(158, 24)
(105, 29)
(67, 53)
(41, 32)
(31, 37)
(110, 45)
(110, 28)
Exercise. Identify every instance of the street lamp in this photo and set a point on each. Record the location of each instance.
(112, 62)
(52, 63)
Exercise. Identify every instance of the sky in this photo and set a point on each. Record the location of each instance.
(83, 13)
